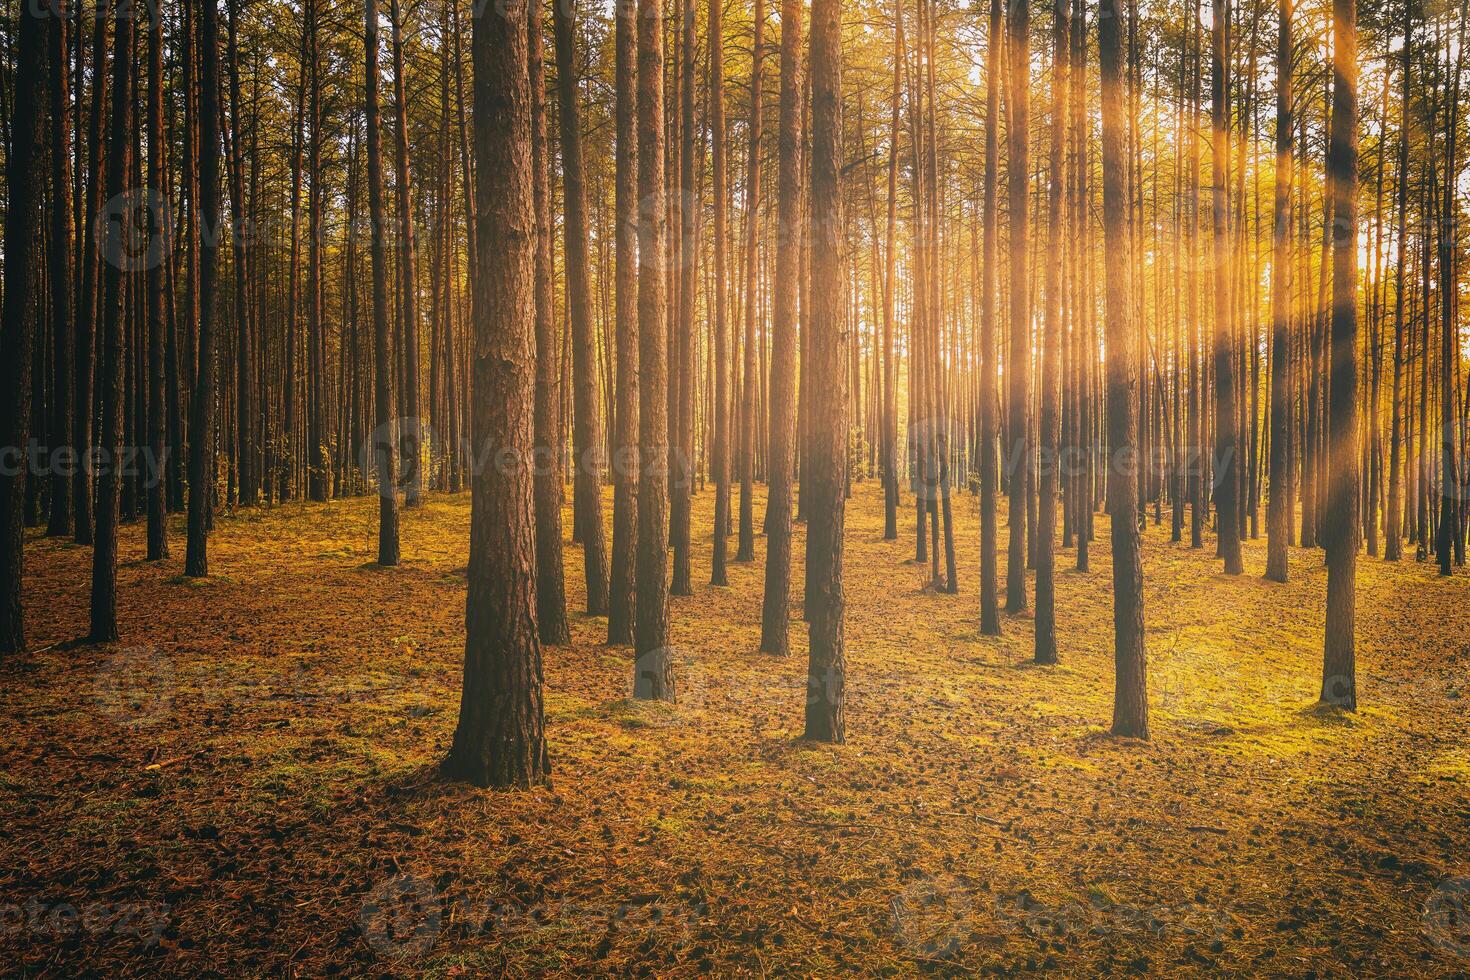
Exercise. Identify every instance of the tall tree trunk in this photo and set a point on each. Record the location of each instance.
(1227, 510)
(413, 425)
(500, 739)
(207, 232)
(621, 599)
(587, 427)
(113, 345)
(1017, 456)
(385, 435)
(16, 329)
(83, 407)
(653, 670)
(782, 434)
(1394, 543)
(989, 352)
(1282, 394)
(889, 438)
(681, 391)
(60, 273)
(745, 545)
(1046, 516)
(824, 467)
(158, 255)
(720, 450)
(1130, 699)
(1340, 529)
(551, 602)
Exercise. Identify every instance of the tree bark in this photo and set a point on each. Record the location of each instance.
(1282, 393)
(781, 433)
(1130, 698)
(1017, 456)
(385, 435)
(825, 464)
(1340, 528)
(500, 740)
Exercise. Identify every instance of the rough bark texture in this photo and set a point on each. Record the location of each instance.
(201, 416)
(625, 461)
(745, 548)
(825, 465)
(16, 333)
(157, 137)
(653, 670)
(500, 740)
(782, 415)
(60, 271)
(1130, 698)
(413, 479)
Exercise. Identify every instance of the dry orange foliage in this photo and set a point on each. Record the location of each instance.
(247, 781)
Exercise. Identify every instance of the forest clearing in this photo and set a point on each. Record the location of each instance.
(267, 780)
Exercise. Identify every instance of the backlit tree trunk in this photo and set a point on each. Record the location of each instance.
(500, 740)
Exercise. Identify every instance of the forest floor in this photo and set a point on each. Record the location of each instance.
(247, 784)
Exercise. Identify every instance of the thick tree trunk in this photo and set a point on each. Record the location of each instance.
(1130, 699)
(500, 740)
(16, 330)
(653, 670)
(824, 467)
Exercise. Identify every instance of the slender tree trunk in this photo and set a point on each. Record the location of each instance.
(157, 141)
(113, 346)
(385, 436)
(625, 462)
(587, 422)
(824, 467)
(1340, 529)
(500, 740)
(720, 450)
(412, 424)
(208, 230)
(1046, 518)
(781, 437)
(1394, 544)
(551, 602)
(745, 546)
(1017, 456)
(1227, 510)
(60, 273)
(1282, 394)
